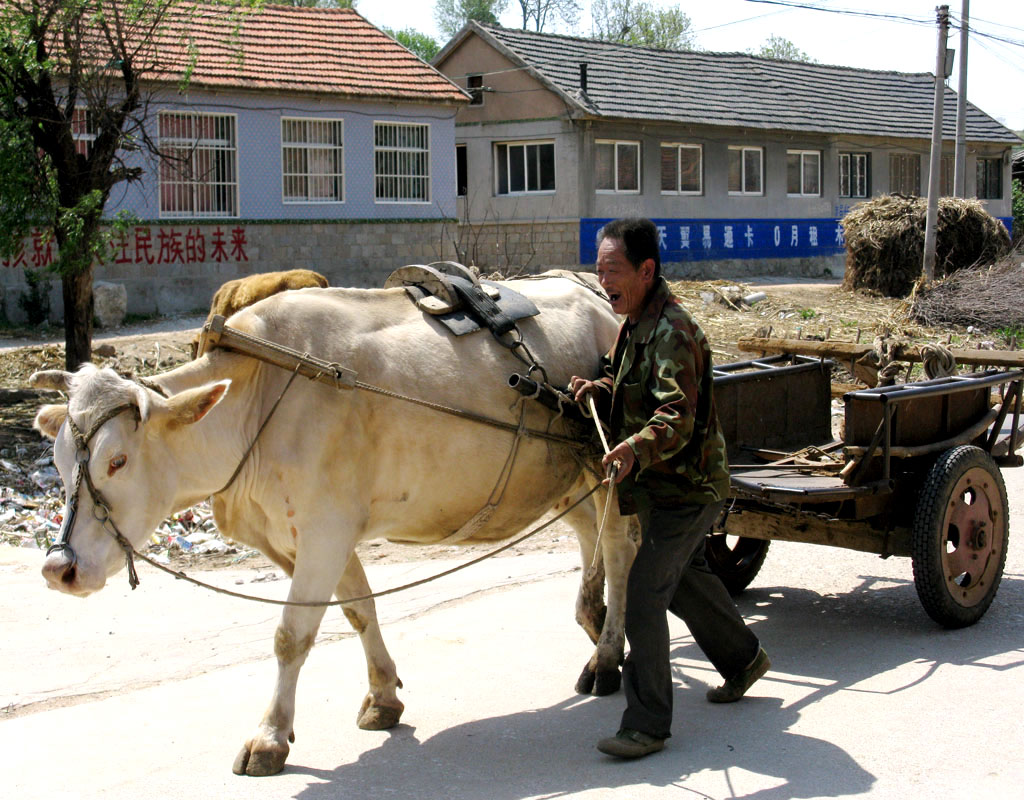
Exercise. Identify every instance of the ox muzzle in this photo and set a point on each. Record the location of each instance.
(61, 559)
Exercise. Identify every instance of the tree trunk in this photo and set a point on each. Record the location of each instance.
(77, 290)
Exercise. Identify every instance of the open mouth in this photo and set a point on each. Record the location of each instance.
(614, 297)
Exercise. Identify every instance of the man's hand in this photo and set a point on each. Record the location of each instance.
(622, 454)
(581, 387)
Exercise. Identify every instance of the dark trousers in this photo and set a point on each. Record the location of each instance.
(670, 574)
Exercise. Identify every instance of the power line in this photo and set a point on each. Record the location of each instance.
(846, 11)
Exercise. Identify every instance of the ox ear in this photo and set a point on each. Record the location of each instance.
(55, 379)
(49, 419)
(192, 405)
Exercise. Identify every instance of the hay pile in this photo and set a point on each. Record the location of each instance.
(987, 298)
(885, 241)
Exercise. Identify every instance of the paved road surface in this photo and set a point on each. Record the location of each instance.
(150, 694)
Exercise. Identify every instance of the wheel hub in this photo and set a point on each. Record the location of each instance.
(972, 536)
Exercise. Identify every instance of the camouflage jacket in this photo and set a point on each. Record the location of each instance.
(658, 385)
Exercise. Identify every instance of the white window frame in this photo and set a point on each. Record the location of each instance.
(679, 146)
(804, 156)
(396, 178)
(743, 150)
(307, 153)
(616, 144)
(850, 160)
(524, 144)
(196, 150)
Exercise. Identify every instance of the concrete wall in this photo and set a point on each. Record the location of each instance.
(172, 269)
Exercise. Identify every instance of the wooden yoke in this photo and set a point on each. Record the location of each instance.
(216, 334)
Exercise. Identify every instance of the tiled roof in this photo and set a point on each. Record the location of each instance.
(736, 89)
(290, 49)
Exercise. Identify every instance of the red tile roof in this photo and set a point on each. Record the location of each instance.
(289, 49)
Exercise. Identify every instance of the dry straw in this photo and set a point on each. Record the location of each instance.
(885, 241)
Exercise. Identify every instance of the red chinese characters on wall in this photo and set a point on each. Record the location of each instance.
(144, 244)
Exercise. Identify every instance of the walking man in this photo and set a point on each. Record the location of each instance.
(656, 394)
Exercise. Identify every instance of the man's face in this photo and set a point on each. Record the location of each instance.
(625, 285)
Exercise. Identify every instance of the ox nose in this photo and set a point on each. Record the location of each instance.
(60, 568)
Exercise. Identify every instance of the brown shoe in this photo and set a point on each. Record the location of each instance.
(628, 743)
(734, 688)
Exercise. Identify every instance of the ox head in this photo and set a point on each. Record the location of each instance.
(111, 448)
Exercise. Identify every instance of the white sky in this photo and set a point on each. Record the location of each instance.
(995, 68)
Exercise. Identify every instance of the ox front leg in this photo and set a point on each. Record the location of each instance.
(381, 708)
(605, 624)
(265, 753)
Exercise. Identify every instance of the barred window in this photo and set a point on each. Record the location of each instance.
(312, 160)
(198, 165)
(83, 130)
(401, 159)
(853, 174)
(905, 173)
(947, 176)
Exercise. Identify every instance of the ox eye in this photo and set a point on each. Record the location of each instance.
(116, 463)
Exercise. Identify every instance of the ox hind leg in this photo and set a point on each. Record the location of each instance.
(381, 708)
(605, 624)
(313, 579)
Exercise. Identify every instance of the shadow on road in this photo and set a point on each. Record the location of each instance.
(859, 641)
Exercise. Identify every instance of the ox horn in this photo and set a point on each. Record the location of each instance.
(55, 379)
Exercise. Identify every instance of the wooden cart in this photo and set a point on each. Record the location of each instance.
(915, 472)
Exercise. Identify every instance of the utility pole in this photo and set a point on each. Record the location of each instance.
(960, 161)
(936, 162)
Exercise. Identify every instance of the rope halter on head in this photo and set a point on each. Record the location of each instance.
(101, 509)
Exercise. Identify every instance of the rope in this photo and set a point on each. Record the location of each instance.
(393, 590)
(939, 361)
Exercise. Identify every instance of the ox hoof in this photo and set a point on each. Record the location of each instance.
(260, 763)
(586, 680)
(608, 682)
(379, 718)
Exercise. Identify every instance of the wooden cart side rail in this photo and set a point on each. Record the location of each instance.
(890, 396)
(965, 437)
(846, 351)
(811, 529)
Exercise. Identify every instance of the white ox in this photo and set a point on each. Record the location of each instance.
(337, 466)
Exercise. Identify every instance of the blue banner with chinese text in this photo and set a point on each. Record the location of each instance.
(721, 239)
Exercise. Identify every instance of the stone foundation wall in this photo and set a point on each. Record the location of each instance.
(175, 268)
(516, 247)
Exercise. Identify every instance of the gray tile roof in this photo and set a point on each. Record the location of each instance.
(735, 89)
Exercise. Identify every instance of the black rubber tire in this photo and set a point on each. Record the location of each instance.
(960, 537)
(736, 565)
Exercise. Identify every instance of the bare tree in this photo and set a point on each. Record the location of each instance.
(537, 13)
(639, 23)
(451, 15)
(73, 112)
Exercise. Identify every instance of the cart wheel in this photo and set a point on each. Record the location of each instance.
(961, 530)
(735, 559)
